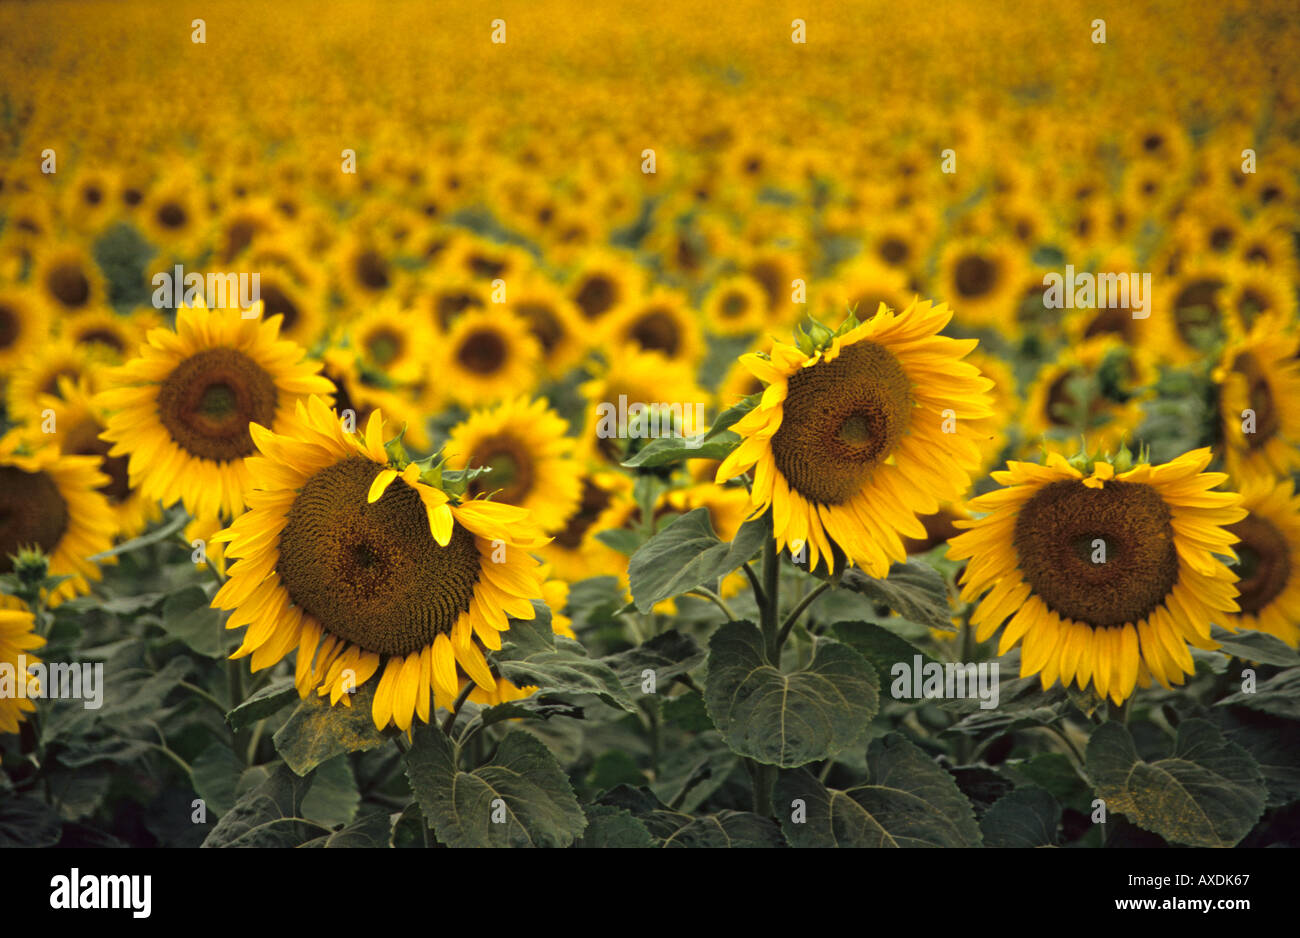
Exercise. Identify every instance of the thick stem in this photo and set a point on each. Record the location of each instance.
(793, 617)
(771, 602)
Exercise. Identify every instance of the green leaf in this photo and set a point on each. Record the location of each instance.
(1054, 772)
(881, 647)
(613, 827)
(521, 798)
(268, 816)
(1274, 744)
(126, 702)
(1279, 695)
(216, 776)
(670, 450)
(908, 801)
(1259, 647)
(1028, 817)
(689, 774)
(659, 819)
(913, 589)
(369, 831)
(1208, 793)
(728, 417)
(268, 701)
(669, 655)
(333, 798)
(28, 822)
(787, 719)
(727, 829)
(177, 521)
(315, 731)
(624, 541)
(687, 554)
(189, 616)
(531, 654)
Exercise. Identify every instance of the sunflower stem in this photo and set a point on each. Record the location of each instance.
(771, 602)
(706, 593)
(448, 723)
(793, 617)
(754, 584)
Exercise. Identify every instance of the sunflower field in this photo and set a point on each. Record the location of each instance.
(651, 425)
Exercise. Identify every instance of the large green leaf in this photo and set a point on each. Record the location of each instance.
(268, 701)
(878, 645)
(28, 822)
(668, 654)
(188, 615)
(216, 774)
(908, 801)
(532, 655)
(670, 450)
(687, 553)
(614, 827)
(1279, 695)
(268, 816)
(315, 731)
(1028, 817)
(333, 799)
(914, 590)
(520, 798)
(371, 830)
(1208, 793)
(727, 829)
(1259, 647)
(787, 719)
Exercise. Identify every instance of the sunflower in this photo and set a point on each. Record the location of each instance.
(1259, 402)
(981, 279)
(862, 286)
(1259, 291)
(488, 355)
(182, 409)
(88, 202)
(525, 445)
(1188, 312)
(78, 423)
(393, 341)
(300, 304)
(365, 272)
(859, 433)
(576, 553)
(17, 638)
(736, 305)
(604, 283)
(1107, 572)
(116, 337)
(174, 216)
(68, 279)
(553, 320)
(39, 376)
(661, 322)
(366, 569)
(364, 391)
(53, 501)
(22, 328)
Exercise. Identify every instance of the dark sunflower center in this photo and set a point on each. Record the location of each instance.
(83, 440)
(1103, 557)
(384, 345)
(1264, 562)
(894, 251)
(734, 305)
(1252, 304)
(1260, 395)
(656, 331)
(975, 276)
(771, 279)
(594, 501)
(10, 326)
(483, 351)
(842, 418)
(32, 513)
(372, 270)
(372, 574)
(1196, 307)
(92, 195)
(172, 215)
(542, 323)
(596, 295)
(275, 301)
(51, 385)
(102, 337)
(511, 465)
(207, 402)
(450, 305)
(1112, 320)
(67, 283)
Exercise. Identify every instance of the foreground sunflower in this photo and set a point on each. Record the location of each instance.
(364, 568)
(1106, 576)
(54, 502)
(184, 406)
(859, 433)
(17, 638)
(1269, 560)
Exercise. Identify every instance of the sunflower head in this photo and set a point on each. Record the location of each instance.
(362, 561)
(1106, 568)
(860, 429)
